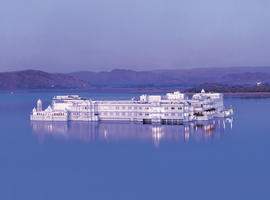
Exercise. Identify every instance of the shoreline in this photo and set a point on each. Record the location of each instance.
(132, 90)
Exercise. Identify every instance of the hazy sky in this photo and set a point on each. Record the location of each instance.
(72, 35)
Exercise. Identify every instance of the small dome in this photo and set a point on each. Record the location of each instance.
(49, 109)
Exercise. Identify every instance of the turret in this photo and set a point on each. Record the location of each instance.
(34, 110)
(39, 105)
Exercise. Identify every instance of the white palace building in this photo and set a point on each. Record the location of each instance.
(172, 108)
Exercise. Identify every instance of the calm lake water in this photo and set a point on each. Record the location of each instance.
(219, 159)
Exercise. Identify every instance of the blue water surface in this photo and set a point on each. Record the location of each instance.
(220, 159)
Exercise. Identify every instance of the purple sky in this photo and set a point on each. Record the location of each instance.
(72, 35)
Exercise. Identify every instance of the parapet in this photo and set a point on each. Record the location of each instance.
(175, 96)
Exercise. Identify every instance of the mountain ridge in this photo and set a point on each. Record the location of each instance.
(181, 77)
(122, 78)
(36, 79)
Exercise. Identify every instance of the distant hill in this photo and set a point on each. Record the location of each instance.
(176, 78)
(33, 79)
(224, 88)
(155, 80)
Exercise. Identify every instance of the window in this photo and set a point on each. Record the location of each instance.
(58, 114)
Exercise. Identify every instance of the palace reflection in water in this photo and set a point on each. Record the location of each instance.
(119, 131)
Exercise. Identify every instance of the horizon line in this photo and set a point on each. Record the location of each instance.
(135, 70)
